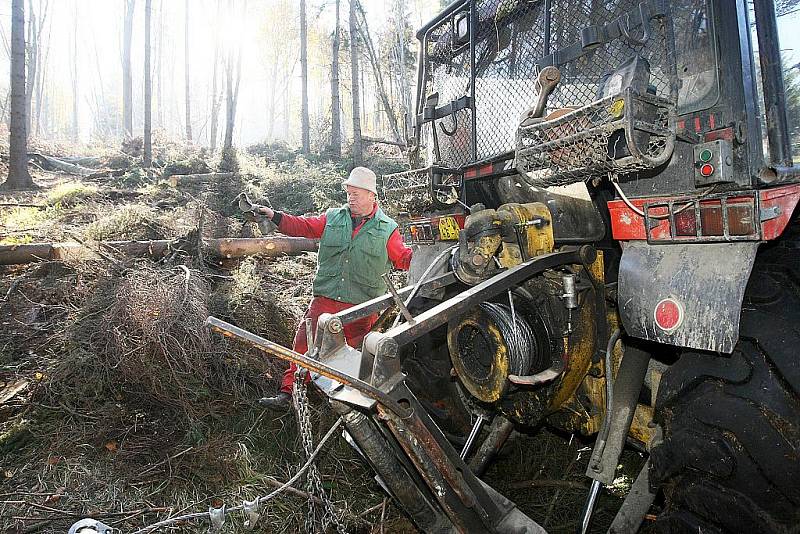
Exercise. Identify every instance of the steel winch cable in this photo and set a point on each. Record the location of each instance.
(422, 279)
(517, 334)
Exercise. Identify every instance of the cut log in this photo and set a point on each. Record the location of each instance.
(176, 179)
(220, 248)
(83, 161)
(53, 164)
(377, 141)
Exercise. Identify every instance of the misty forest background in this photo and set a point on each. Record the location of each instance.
(221, 72)
(235, 72)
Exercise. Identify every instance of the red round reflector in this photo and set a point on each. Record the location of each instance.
(668, 315)
(707, 169)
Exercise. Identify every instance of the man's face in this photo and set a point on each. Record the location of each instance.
(360, 201)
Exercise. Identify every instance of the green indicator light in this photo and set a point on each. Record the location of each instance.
(705, 155)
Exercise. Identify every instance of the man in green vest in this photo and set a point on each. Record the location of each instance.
(358, 244)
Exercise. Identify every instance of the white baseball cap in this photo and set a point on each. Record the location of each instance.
(363, 178)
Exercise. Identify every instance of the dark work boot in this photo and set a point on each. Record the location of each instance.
(281, 401)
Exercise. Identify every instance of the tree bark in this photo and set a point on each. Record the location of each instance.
(220, 248)
(148, 89)
(336, 114)
(186, 71)
(18, 176)
(127, 76)
(358, 156)
(304, 79)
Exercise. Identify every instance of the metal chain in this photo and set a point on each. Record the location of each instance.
(313, 478)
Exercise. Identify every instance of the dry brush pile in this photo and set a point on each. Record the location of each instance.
(137, 406)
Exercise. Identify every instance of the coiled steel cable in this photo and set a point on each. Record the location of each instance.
(517, 334)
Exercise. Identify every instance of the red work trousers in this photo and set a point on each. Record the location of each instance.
(354, 332)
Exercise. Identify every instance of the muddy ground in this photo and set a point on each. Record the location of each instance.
(116, 403)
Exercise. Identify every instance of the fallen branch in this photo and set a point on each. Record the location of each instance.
(162, 462)
(219, 248)
(66, 514)
(21, 205)
(176, 179)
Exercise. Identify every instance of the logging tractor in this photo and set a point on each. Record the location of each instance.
(601, 198)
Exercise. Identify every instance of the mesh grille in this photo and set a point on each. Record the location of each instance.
(513, 38)
(618, 134)
(448, 67)
(420, 190)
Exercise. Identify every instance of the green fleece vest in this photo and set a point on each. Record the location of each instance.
(350, 269)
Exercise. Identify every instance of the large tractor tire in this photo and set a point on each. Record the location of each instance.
(730, 456)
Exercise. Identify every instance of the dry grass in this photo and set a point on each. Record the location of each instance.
(70, 193)
(130, 222)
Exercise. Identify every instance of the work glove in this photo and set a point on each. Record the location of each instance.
(250, 211)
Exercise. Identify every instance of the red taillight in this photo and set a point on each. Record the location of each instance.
(751, 216)
(740, 214)
(740, 219)
(686, 222)
(668, 314)
(711, 221)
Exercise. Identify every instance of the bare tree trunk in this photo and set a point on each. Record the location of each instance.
(18, 176)
(304, 79)
(336, 106)
(232, 92)
(148, 89)
(215, 97)
(43, 51)
(127, 76)
(373, 59)
(6, 100)
(230, 113)
(186, 71)
(272, 91)
(159, 55)
(358, 155)
(215, 101)
(32, 43)
(405, 89)
(74, 69)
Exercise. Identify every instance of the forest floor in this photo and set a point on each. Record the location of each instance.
(117, 403)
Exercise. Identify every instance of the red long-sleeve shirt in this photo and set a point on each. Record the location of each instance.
(312, 227)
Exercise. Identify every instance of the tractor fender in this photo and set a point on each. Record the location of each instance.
(687, 295)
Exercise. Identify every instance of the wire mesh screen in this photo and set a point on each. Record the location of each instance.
(588, 40)
(448, 76)
(420, 190)
(510, 38)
